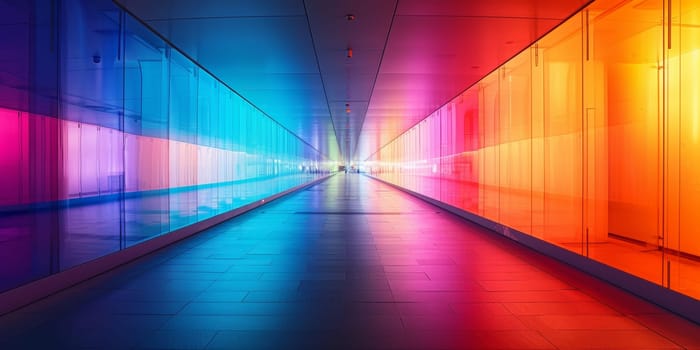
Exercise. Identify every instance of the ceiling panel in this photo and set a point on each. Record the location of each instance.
(357, 87)
(261, 49)
(536, 9)
(226, 43)
(202, 9)
(437, 49)
(289, 57)
(349, 80)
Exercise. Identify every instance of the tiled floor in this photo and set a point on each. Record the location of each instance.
(349, 263)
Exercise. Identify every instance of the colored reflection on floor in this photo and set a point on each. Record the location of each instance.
(642, 259)
(348, 263)
(79, 233)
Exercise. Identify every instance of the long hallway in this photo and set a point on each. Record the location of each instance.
(347, 263)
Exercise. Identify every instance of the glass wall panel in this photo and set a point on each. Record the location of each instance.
(489, 151)
(562, 95)
(623, 95)
(683, 241)
(587, 139)
(146, 130)
(91, 105)
(515, 144)
(448, 147)
(28, 163)
(182, 149)
(133, 141)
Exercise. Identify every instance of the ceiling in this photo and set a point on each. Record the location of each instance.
(409, 57)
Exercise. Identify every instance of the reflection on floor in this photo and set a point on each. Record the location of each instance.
(348, 263)
(642, 260)
(647, 262)
(79, 233)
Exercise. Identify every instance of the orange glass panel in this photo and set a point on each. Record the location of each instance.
(562, 94)
(515, 147)
(588, 140)
(488, 152)
(624, 85)
(684, 243)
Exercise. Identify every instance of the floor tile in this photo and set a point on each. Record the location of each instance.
(609, 339)
(181, 339)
